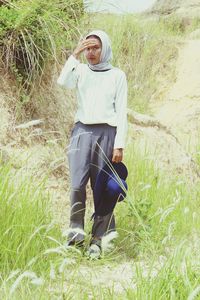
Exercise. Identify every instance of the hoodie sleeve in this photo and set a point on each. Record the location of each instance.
(69, 76)
(121, 110)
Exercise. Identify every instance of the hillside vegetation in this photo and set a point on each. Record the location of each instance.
(184, 8)
(34, 32)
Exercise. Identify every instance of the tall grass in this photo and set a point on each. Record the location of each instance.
(176, 277)
(158, 228)
(197, 154)
(25, 222)
(161, 209)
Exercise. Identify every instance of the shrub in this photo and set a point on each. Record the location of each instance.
(32, 32)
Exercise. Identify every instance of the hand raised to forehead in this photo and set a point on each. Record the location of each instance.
(84, 44)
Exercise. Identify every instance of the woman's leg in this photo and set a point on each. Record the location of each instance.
(79, 167)
(102, 153)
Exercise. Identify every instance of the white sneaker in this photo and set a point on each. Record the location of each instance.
(94, 252)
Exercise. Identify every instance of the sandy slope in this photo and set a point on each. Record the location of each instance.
(187, 8)
(180, 111)
(172, 135)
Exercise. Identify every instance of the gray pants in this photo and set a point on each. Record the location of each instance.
(91, 146)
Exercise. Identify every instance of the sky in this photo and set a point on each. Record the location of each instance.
(118, 6)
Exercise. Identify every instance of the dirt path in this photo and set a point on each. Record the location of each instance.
(172, 136)
(180, 111)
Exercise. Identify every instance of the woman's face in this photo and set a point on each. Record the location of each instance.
(93, 52)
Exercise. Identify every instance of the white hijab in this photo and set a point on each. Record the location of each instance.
(106, 52)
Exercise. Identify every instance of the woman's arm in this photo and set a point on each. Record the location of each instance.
(121, 110)
(69, 76)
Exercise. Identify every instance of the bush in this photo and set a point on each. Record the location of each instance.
(32, 32)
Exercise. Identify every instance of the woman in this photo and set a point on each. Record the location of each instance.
(100, 123)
